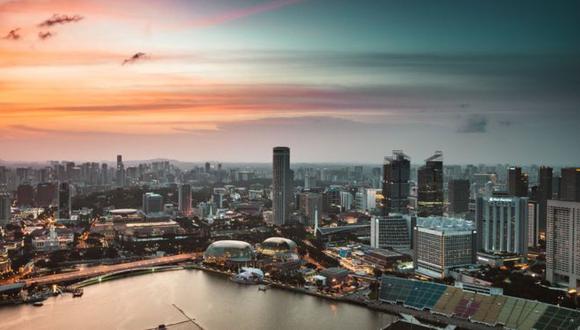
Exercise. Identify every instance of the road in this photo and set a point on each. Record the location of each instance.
(105, 269)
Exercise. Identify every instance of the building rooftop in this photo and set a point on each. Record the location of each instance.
(445, 224)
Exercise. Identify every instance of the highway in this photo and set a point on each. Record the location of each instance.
(105, 269)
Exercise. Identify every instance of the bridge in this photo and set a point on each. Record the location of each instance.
(109, 269)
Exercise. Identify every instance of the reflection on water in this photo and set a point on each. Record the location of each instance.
(146, 301)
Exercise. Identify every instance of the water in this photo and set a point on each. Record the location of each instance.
(216, 303)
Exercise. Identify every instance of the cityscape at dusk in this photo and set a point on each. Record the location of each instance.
(289, 164)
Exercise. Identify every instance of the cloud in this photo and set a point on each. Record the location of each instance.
(473, 124)
(13, 35)
(45, 35)
(136, 57)
(57, 19)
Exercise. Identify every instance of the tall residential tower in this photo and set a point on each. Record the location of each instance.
(281, 185)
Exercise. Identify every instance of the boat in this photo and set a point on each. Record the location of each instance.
(77, 293)
(37, 304)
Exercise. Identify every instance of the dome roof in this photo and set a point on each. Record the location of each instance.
(229, 250)
(274, 245)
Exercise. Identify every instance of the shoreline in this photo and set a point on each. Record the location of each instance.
(394, 310)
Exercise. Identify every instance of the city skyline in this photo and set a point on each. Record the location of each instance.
(489, 82)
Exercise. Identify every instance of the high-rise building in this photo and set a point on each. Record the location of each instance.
(563, 243)
(441, 244)
(346, 200)
(46, 194)
(310, 206)
(396, 174)
(25, 195)
(393, 232)
(570, 184)
(517, 182)
(5, 205)
(152, 203)
(545, 178)
(502, 225)
(533, 223)
(120, 171)
(64, 201)
(458, 196)
(185, 206)
(430, 186)
(281, 185)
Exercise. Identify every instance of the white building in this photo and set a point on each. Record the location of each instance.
(563, 243)
(346, 200)
(502, 225)
(441, 244)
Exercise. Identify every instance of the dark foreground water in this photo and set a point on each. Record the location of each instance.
(216, 303)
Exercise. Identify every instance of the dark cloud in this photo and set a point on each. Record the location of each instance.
(13, 35)
(57, 19)
(136, 57)
(45, 35)
(473, 124)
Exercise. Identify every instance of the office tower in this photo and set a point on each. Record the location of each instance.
(441, 244)
(544, 193)
(310, 206)
(64, 201)
(458, 196)
(563, 243)
(207, 167)
(25, 195)
(346, 200)
(502, 224)
(104, 174)
(396, 174)
(46, 194)
(218, 199)
(331, 199)
(533, 223)
(430, 186)
(120, 171)
(5, 205)
(570, 184)
(392, 232)
(152, 203)
(185, 207)
(281, 185)
(517, 182)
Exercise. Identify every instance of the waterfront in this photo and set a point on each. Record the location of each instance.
(146, 301)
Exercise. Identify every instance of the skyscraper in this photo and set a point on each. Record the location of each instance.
(64, 201)
(281, 185)
(396, 173)
(311, 206)
(25, 195)
(570, 184)
(458, 196)
(562, 243)
(46, 193)
(517, 182)
(4, 208)
(185, 207)
(430, 186)
(545, 179)
(502, 225)
(120, 171)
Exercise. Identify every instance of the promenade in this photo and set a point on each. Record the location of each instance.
(107, 269)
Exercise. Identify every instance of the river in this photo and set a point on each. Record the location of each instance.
(216, 303)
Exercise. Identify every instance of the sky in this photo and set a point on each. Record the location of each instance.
(336, 81)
